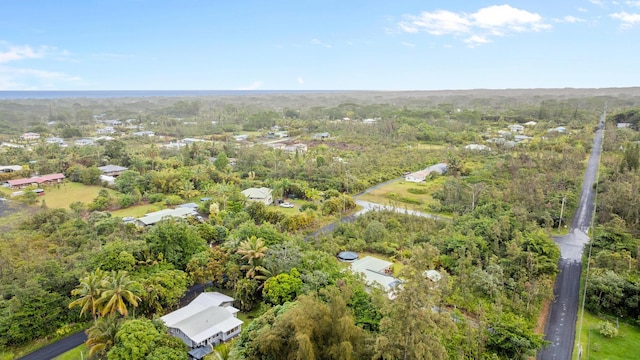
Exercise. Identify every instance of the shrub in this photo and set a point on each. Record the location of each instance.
(173, 200)
(607, 329)
(156, 197)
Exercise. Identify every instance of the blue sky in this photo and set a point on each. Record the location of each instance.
(318, 45)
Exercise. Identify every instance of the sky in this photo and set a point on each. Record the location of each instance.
(318, 44)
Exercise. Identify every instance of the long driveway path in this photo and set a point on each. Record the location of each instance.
(560, 330)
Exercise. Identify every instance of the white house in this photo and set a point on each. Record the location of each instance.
(516, 128)
(30, 136)
(262, 195)
(376, 272)
(421, 175)
(208, 320)
(242, 137)
(157, 216)
(476, 147)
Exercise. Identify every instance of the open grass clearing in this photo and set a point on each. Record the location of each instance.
(404, 194)
(597, 347)
(137, 210)
(61, 196)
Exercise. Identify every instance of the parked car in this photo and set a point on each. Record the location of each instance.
(39, 191)
(286, 205)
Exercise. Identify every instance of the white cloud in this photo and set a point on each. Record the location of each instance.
(408, 44)
(300, 80)
(597, 3)
(475, 40)
(581, 9)
(570, 19)
(13, 78)
(477, 27)
(628, 20)
(253, 86)
(633, 3)
(20, 52)
(320, 43)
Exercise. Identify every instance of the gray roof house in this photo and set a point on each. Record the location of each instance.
(262, 194)
(208, 320)
(421, 175)
(112, 170)
(376, 271)
(154, 217)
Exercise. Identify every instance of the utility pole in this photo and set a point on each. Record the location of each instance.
(564, 198)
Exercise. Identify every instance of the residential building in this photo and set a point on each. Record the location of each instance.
(155, 217)
(322, 136)
(376, 272)
(559, 129)
(208, 320)
(369, 121)
(262, 195)
(189, 141)
(112, 170)
(476, 147)
(84, 142)
(144, 133)
(10, 168)
(106, 130)
(421, 175)
(36, 181)
(241, 137)
(54, 140)
(30, 136)
(517, 128)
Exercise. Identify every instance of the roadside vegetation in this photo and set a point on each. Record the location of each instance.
(69, 260)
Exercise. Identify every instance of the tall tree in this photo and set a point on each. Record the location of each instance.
(102, 335)
(119, 290)
(90, 290)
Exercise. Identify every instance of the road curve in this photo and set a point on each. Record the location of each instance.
(560, 330)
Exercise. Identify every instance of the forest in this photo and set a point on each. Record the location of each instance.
(70, 260)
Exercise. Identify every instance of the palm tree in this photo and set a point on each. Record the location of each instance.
(119, 290)
(90, 290)
(102, 335)
(222, 352)
(252, 249)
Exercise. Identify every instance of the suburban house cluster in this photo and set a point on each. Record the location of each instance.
(208, 320)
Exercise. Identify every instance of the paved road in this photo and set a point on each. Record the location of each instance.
(57, 348)
(561, 324)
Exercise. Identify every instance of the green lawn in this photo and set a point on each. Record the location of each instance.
(598, 347)
(397, 194)
(137, 210)
(81, 352)
(69, 192)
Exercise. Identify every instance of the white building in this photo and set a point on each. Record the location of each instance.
(30, 136)
(208, 320)
(376, 272)
(421, 175)
(262, 195)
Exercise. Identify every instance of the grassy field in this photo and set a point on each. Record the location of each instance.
(81, 352)
(397, 194)
(69, 192)
(598, 347)
(138, 210)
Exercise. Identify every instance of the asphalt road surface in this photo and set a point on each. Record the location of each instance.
(57, 348)
(560, 330)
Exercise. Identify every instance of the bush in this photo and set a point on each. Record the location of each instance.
(126, 201)
(607, 329)
(173, 200)
(154, 198)
(309, 206)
